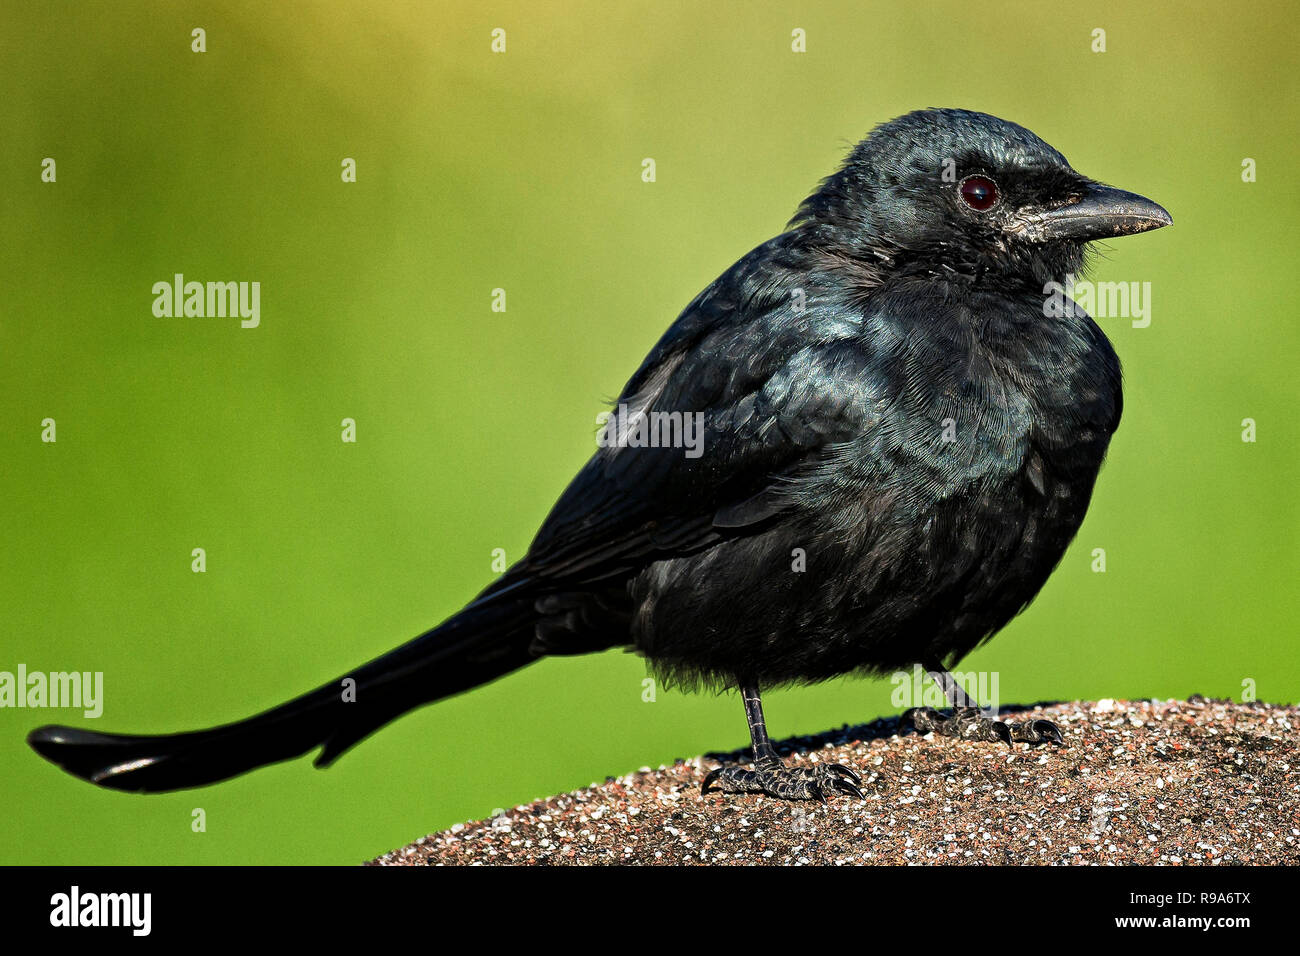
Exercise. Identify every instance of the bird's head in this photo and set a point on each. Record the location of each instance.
(967, 195)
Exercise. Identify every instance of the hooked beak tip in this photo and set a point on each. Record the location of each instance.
(1102, 212)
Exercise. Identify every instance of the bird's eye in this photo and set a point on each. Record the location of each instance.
(979, 192)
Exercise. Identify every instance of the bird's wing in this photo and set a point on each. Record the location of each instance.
(774, 384)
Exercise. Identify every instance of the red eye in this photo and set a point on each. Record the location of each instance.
(979, 192)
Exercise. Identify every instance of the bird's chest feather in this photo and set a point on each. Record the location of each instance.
(990, 438)
(998, 396)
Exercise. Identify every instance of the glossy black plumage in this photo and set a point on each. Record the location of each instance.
(882, 394)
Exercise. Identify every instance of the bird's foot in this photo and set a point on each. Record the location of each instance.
(967, 723)
(770, 776)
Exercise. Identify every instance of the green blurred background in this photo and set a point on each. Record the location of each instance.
(522, 171)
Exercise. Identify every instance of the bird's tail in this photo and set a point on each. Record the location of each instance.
(486, 640)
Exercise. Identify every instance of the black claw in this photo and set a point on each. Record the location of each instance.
(1049, 731)
(773, 778)
(709, 780)
(849, 772)
(844, 786)
(967, 723)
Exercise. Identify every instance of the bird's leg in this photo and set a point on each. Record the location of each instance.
(772, 777)
(968, 723)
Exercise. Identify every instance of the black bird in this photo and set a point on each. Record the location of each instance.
(899, 439)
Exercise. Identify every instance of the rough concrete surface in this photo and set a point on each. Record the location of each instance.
(1154, 782)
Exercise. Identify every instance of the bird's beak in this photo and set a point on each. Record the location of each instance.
(1102, 213)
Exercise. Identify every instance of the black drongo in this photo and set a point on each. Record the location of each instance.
(897, 439)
